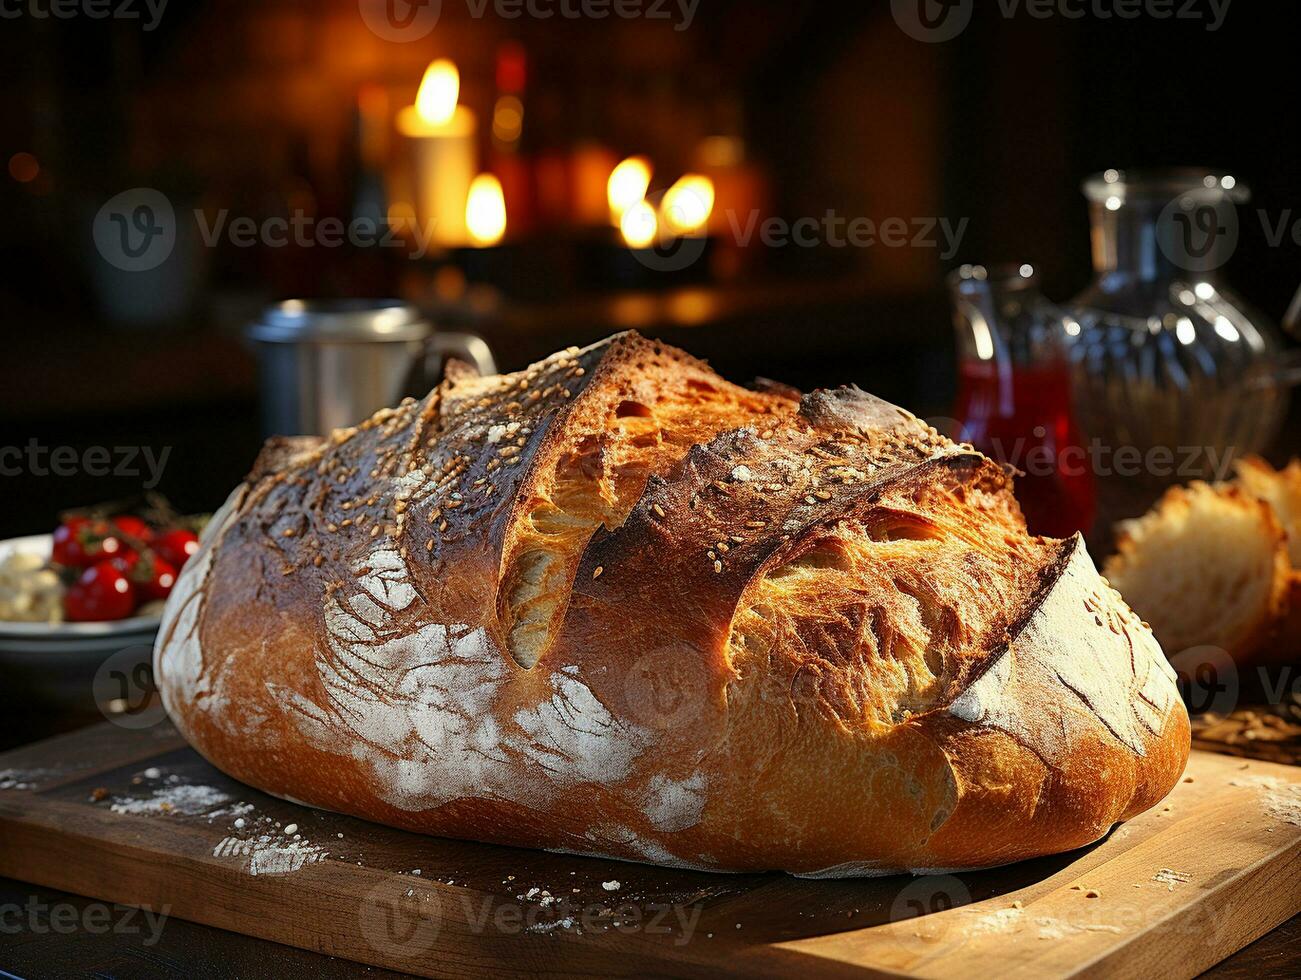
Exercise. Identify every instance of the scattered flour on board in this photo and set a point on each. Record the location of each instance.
(1169, 877)
(1050, 928)
(566, 923)
(24, 778)
(1009, 920)
(990, 923)
(1281, 800)
(268, 855)
(181, 798)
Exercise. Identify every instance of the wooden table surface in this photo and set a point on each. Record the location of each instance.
(185, 949)
(47, 932)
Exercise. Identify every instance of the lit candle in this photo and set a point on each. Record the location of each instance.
(442, 136)
(627, 186)
(485, 211)
(639, 226)
(687, 205)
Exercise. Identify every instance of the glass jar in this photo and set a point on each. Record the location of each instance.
(1174, 375)
(1014, 393)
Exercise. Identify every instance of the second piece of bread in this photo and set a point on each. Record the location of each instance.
(1281, 489)
(1206, 566)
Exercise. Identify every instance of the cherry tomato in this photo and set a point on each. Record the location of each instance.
(176, 546)
(80, 542)
(67, 545)
(134, 528)
(103, 592)
(152, 576)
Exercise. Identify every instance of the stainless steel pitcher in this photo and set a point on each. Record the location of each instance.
(327, 364)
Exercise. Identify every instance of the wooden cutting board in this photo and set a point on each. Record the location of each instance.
(139, 818)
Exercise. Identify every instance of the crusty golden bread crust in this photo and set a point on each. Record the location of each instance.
(616, 605)
(1206, 566)
(1281, 489)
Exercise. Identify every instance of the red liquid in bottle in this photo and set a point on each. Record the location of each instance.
(1022, 415)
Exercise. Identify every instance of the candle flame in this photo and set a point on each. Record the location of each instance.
(688, 204)
(639, 225)
(439, 89)
(485, 210)
(627, 185)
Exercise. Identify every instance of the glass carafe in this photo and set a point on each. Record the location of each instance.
(1014, 393)
(1174, 375)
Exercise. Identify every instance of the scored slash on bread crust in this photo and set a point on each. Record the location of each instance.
(616, 605)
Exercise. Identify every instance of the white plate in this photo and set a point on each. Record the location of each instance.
(35, 636)
(57, 663)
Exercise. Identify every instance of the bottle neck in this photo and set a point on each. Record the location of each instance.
(1143, 241)
(1003, 323)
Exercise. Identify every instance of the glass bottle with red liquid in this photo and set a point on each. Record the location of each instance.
(1014, 394)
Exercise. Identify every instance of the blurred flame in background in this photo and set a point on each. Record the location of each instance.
(639, 225)
(688, 204)
(439, 90)
(627, 186)
(507, 119)
(24, 167)
(485, 211)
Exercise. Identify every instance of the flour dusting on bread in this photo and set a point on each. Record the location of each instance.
(614, 604)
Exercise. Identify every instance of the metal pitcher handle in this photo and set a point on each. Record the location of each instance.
(467, 347)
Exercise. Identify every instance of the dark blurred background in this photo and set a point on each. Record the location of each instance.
(282, 107)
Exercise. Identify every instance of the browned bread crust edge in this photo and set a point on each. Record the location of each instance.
(363, 669)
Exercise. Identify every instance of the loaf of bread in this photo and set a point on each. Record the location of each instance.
(615, 605)
(1215, 565)
(1281, 489)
